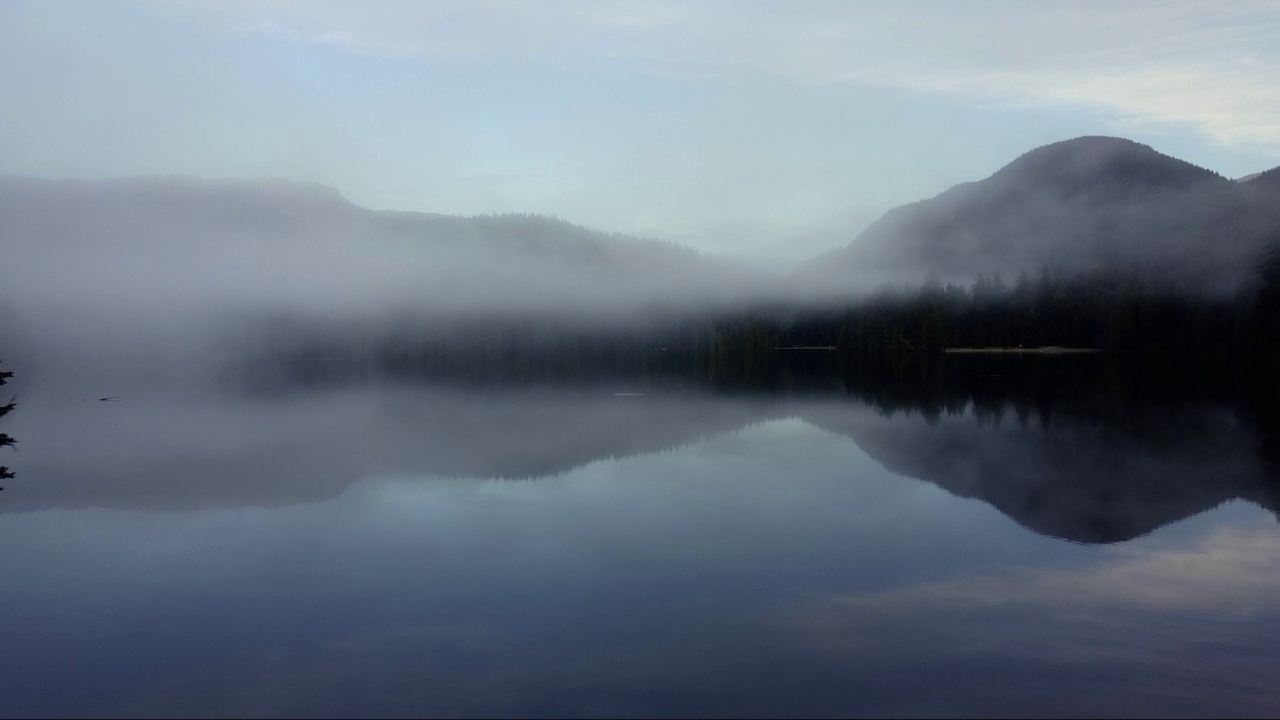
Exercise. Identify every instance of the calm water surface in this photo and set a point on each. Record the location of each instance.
(614, 550)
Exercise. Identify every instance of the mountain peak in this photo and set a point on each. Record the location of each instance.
(1101, 163)
(1089, 204)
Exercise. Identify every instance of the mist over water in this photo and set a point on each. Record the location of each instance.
(599, 358)
(811, 542)
(274, 453)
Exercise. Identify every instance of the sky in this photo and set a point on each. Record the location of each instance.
(770, 131)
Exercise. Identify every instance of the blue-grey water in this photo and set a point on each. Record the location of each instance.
(623, 551)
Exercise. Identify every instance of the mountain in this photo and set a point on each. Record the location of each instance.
(1092, 204)
(140, 282)
(1266, 179)
(198, 243)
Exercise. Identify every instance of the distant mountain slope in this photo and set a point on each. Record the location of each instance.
(1267, 179)
(1088, 204)
(200, 242)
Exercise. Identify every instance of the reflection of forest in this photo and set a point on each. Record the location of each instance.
(1089, 448)
(1092, 449)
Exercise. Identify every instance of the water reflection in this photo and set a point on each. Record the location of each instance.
(1091, 482)
(1090, 450)
(1183, 628)
(1075, 449)
(832, 544)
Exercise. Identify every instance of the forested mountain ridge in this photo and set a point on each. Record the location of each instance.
(1093, 242)
(1266, 179)
(1084, 206)
(196, 206)
(306, 244)
(1088, 205)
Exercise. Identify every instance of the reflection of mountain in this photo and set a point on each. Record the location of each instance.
(1088, 466)
(1090, 450)
(1078, 481)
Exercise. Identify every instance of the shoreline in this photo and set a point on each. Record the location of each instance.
(1038, 350)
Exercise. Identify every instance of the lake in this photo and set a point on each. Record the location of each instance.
(988, 541)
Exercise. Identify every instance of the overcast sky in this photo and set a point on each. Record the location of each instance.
(773, 130)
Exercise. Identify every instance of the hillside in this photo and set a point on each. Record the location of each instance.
(1091, 204)
(1269, 179)
(276, 245)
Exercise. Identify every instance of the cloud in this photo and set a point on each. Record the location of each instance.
(1207, 67)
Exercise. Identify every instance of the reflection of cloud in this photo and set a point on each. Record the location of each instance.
(1231, 571)
(1213, 68)
(371, 670)
(1188, 631)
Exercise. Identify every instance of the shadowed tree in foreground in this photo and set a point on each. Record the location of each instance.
(5, 439)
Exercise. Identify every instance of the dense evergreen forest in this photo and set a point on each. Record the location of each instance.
(1118, 313)
(1121, 315)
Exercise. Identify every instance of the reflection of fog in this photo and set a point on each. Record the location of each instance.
(175, 452)
(1075, 478)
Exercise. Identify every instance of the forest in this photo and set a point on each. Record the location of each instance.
(902, 338)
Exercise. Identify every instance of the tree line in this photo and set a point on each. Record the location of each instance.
(1120, 313)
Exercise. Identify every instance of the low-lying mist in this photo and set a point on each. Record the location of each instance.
(1094, 242)
(101, 273)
